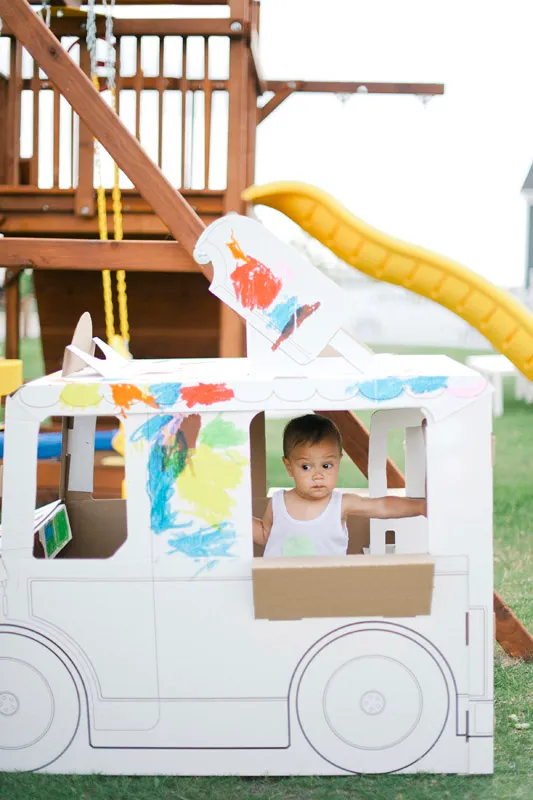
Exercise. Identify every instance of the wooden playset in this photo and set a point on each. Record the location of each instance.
(239, 667)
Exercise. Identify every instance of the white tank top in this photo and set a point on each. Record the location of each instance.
(323, 536)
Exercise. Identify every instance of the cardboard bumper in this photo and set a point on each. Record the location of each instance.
(352, 586)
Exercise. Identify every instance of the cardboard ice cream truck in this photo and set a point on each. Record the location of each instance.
(142, 636)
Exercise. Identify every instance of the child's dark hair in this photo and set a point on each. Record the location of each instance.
(309, 429)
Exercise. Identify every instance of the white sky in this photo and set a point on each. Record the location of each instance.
(446, 175)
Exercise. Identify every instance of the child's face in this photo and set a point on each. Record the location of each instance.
(314, 468)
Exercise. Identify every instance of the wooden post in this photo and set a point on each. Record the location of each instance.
(3, 142)
(184, 224)
(84, 203)
(12, 306)
(232, 329)
(12, 121)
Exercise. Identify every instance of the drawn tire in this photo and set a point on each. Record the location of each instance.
(39, 704)
(373, 701)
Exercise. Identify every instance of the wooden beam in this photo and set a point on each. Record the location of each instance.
(275, 101)
(76, 26)
(351, 87)
(70, 3)
(92, 254)
(78, 3)
(356, 440)
(167, 202)
(136, 226)
(32, 199)
(515, 639)
(160, 83)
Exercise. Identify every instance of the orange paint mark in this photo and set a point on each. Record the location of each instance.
(235, 249)
(126, 394)
(206, 394)
(255, 284)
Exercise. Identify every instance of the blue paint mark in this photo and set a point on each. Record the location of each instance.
(209, 542)
(165, 394)
(149, 430)
(353, 389)
(282, 313)
(167, 460)
(424, 384)
(382, 389)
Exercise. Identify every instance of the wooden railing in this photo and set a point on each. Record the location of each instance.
(172, 94)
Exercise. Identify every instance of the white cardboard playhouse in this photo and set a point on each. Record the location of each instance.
(141, 636)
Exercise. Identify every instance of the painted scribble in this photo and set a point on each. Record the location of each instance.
(80, 395)
(165, 394)
(126, 394)
(302, 313)
(192, 474)
(206, 394)
(382, 389)
(206, 479)
(172, 438)
(255, 284)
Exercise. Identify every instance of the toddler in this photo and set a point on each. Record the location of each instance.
(311, 518)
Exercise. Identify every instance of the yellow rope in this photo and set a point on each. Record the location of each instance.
(118, 342)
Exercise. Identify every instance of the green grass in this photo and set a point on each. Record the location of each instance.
(513, 778)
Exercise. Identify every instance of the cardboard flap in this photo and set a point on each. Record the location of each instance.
(290, 302)
(349, 586)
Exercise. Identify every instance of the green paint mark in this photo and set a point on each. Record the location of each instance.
(61, 527)
(298, 545)
(219, 434)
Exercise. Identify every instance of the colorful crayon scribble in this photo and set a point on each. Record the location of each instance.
(165, 394)
(126, 394)
(255, 284)
(192, 474)
(302, 313)
(383, 389)
(79, 395)
(206, 394)
(206, 479)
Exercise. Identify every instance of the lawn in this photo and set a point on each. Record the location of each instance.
(513, 778)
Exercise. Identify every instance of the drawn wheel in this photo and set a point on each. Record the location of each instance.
(39, 704)
(372, 700)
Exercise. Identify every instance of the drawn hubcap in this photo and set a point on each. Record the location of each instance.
(372, 702)
(9, 704)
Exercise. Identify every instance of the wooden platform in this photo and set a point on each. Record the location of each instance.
(28, 211)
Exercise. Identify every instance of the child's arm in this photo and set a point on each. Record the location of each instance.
(262, 527)
(382, 507)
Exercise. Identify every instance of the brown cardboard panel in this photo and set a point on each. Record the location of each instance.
(98, 526)
(350, 586)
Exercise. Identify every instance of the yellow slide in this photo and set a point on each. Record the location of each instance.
(494, 312)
